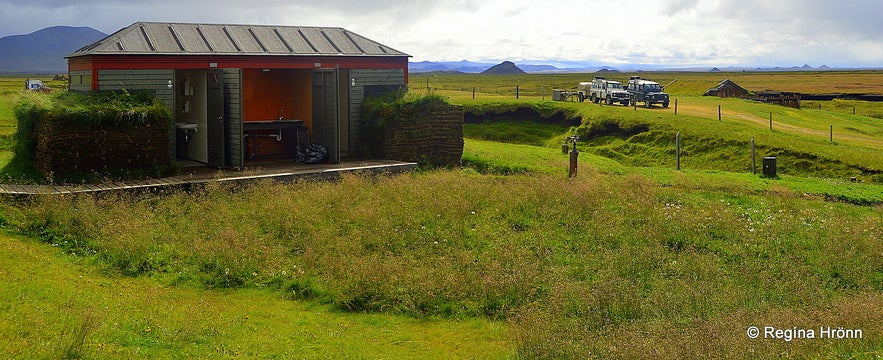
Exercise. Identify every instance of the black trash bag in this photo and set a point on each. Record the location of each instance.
(312, 154)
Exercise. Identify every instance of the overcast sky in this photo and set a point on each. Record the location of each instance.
(672, 32)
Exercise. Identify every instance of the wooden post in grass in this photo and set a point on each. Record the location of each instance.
(676, 106)
(753, 158)
(853, 109)
(832, 134)
(516, 91)
(771, 120)
(718, 113)
(574, 155)
(473, 93)
(678, 149)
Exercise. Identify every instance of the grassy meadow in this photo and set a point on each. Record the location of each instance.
(504, 257)
(828, 143)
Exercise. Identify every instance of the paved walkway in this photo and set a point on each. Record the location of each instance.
(276, 170)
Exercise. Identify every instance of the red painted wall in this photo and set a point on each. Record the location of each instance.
(120, 62)
(268, 94)
(137, 62)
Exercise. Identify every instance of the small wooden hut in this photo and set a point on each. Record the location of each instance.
(727, 88)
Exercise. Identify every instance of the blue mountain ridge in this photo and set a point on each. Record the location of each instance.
(43, 51)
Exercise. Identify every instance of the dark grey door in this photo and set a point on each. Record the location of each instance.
(216, 119)
(326, 120)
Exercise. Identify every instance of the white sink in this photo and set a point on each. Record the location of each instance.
(185, 126)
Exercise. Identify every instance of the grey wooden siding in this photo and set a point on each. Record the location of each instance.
(367, 77)
(156, 80)
(325, 107)
(81, 80)
(233, 113)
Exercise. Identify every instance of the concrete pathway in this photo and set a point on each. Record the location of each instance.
(285, 171)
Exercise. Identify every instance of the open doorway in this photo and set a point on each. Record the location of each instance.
(276, 112)
(200, 122)
(191, 116)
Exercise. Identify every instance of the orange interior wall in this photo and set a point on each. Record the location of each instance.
(268, 94)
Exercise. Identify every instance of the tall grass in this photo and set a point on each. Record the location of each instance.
(573, 264)
(57, 307)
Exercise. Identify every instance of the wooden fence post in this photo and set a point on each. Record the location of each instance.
(832, 134)
(678, 149)
(516, 91)
(473, 93)
(771, 120)
(718, 113)
(676, 106)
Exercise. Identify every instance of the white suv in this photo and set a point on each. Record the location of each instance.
(609, 91)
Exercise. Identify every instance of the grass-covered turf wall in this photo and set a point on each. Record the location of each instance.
(71, 136)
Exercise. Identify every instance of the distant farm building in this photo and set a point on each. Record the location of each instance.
(241, 92)
(727, 89)
(784, 98)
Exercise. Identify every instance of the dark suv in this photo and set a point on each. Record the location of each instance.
(646, 91)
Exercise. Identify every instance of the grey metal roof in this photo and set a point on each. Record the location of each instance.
(154, 38)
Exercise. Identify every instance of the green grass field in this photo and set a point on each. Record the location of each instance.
(61, 307)
(827, 143)
(679, 83)
(504, 258)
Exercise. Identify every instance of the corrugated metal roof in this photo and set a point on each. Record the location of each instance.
(153, 38)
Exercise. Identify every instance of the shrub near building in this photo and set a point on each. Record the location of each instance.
(103, 132)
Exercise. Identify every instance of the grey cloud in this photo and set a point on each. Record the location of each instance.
(809, 19)
(675, 7)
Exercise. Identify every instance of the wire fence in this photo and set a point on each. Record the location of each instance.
(545, 92)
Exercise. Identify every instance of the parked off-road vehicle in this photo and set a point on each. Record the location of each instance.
(647, 92)
(583, 90)
(609, 91)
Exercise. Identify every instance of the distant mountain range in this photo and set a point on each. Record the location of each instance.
(43, 51)
(536, 66)
(465, 66)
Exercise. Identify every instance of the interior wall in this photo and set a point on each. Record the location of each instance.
(267, 95)
(191, 106)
